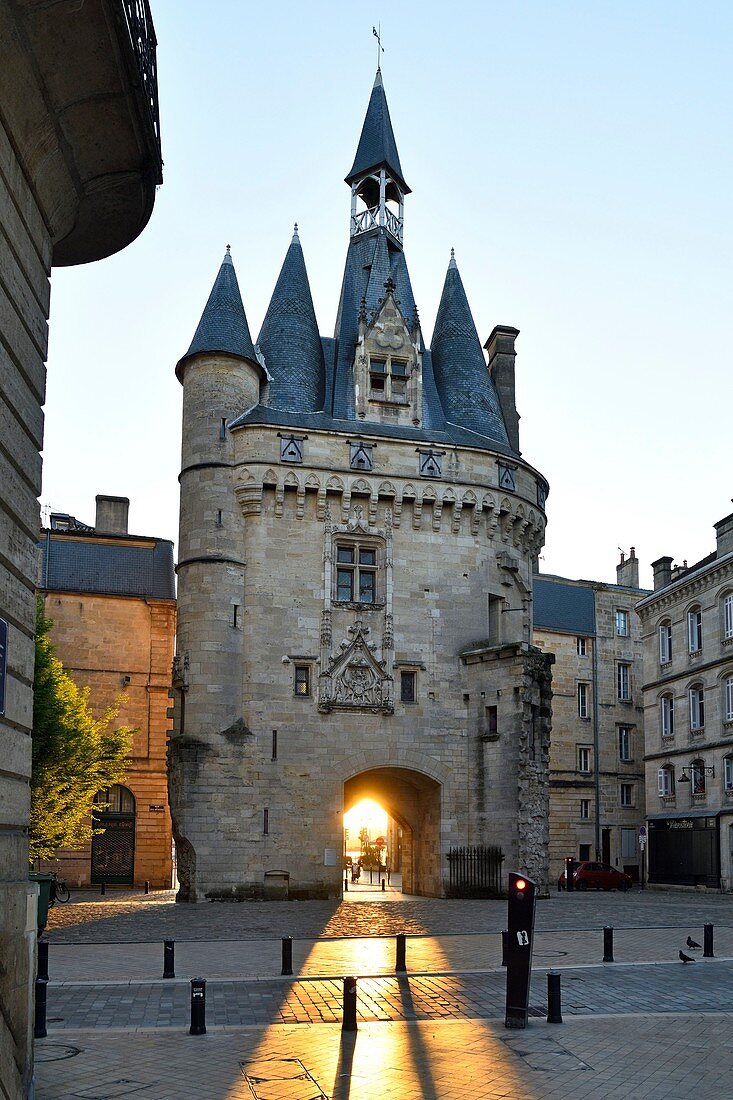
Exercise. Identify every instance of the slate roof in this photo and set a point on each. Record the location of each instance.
(223, 326)
(465, 387)
(107, 566)
(377, 145)
(566, 607)
(290, 342)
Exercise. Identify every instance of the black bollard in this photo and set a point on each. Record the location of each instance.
(198, 1007)
(400, 955)
(43, 960)
(39, 1030)
(383, 886)
(147, 887)
(608, 944)
(554, 1003)
(349, 1021)
(101, 889)
(346, 884)
(707, 933)
(287, 967)
(169, 958)
(504, 946)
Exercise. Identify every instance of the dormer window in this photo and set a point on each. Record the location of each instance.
(388, 380)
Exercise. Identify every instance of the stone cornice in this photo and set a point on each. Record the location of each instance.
(686, 587)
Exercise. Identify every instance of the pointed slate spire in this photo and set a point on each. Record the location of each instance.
(464, 385)
(377, 146)
(223, 326)
(380, 272)
(289, 339)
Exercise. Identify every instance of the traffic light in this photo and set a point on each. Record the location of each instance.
(520, 926)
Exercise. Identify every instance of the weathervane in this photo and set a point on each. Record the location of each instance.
(377, 32)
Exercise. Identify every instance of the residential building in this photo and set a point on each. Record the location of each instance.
(111, 598)
(597, 746)
(80, 160)
(357, 537)
(687, 630)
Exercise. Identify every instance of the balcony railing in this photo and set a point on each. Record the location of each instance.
(144, 45)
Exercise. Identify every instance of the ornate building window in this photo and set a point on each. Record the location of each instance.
(665, 642)
(666, 704)
(388, 379)
(694, 630)
(356, 573)
(697, 707)
(665, 781)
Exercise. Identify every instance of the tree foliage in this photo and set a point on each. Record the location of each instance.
(75, 755)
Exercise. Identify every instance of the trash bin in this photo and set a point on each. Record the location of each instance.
(44, 880)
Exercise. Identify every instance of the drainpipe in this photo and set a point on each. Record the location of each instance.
(596, 743)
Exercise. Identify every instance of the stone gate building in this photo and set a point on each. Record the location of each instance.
(358, 532)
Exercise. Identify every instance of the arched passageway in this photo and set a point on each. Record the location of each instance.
(412, 801)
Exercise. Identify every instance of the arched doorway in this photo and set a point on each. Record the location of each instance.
(113, 851)
(412, 801)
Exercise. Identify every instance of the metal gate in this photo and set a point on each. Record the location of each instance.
(113, 851)
(475, 872)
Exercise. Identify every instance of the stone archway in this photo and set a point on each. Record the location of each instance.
(413, 800)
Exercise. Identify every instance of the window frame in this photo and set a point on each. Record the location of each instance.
(585, 809)
(584, 754)
(666, 711)
(301, 680)
(696, 702)
(728, 698)
(394, 383)
(622, 618)
(665, 642)
(624, 735)
(583, 699)
(626, 798)
(666, 781)
(728, 773)
(697, 777)
(726, 610)
(623, 681)
(694, 630)
(408, 675)
(581, 646)
(356, 571)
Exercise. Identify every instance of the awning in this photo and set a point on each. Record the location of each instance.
(680, 817)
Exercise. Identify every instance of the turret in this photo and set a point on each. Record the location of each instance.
(221, 377)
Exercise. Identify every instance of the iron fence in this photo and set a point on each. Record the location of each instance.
(475, 871)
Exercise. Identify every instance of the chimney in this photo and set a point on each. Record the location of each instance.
(662, 572)
(627, 570)
(111, 515)
(724, 533)
(500, 346)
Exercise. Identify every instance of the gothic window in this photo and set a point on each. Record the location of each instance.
(506, 477)
(302, 680)
(356, 573)
(388, 380)
(291, 448)
(431, 464)
(361, 456)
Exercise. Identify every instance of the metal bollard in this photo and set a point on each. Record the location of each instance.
(707, 941)
(169, 958)
(608, 944)
(198, 1007)
(346, 884)
(383, 886)
(43, 960)
(287, 964)
(349, 1021)
(147, 887)
(504, 946)
(101, 889)
(400, 955)
(554, 1002)
(39, 1029)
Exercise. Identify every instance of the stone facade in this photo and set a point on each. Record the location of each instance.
(79, 163)
(355, 580)
(687, 632)
(597, 795)
(119, 645)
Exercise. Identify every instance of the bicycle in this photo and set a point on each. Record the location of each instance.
(59, 891)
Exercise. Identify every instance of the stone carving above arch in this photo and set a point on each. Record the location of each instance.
(355, 679)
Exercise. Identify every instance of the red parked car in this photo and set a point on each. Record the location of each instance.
(596, 876)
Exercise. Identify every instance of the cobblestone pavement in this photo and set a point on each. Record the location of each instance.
(587, 1058)
(129, 917)
(664, 987)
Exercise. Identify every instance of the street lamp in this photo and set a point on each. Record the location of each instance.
(700, 769)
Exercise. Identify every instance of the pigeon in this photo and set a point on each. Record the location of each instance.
(685, 958)
(691, 943)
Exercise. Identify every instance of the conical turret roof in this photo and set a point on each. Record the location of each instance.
(377, 145)
(290, 342)
(465, 387)
(223, 326)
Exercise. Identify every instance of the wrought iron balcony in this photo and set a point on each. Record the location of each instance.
(139, 23)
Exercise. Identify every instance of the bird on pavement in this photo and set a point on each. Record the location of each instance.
(691, 943)
(685, 958)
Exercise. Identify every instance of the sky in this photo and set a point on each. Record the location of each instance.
(578, 158)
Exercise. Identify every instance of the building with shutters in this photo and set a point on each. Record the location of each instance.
(687, 631)
(358, 530)
(110, 596)
(597, 793)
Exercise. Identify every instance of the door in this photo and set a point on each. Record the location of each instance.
(113, 849)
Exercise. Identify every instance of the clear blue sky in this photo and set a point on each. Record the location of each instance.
(577, 157)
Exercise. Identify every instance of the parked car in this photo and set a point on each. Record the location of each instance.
(596, 876)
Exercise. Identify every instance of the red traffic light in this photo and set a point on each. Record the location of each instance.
(520, 884)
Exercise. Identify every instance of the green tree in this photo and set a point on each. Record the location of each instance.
(75, 755)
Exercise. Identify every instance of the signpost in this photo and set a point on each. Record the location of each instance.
(642, 849)
(520, 926)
